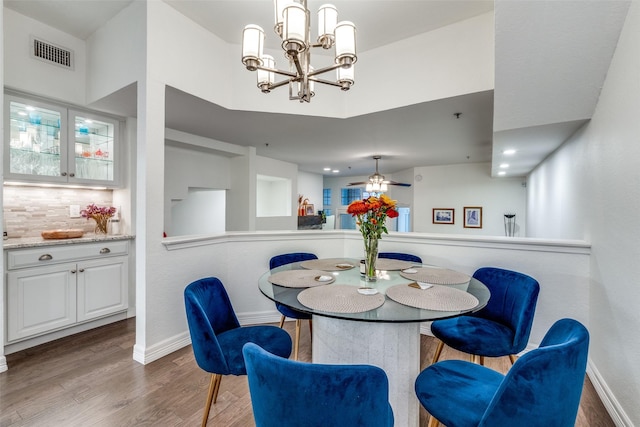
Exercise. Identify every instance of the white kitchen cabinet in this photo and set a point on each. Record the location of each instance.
(40, 300)
(48, 142)
(54, 287)
(102, 287)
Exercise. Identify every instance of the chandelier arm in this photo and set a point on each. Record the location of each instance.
(326, 82)
(281, 72)
(324, 70)
(280, 84)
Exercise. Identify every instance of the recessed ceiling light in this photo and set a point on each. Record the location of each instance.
(509, 152)
(502, 173)
(327, 169)
(335, 171)
(504, 165)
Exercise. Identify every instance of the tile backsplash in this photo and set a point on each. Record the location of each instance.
(29, 210)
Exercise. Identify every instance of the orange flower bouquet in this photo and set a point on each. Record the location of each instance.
(371, 214)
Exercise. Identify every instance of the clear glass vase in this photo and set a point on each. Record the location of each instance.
(370, 258)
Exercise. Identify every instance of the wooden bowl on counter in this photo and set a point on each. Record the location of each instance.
(62, 234)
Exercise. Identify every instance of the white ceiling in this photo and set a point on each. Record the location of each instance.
(551, 61)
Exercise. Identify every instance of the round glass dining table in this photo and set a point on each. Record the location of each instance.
(387, 336)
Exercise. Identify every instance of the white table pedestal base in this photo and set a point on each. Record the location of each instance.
(394, 347)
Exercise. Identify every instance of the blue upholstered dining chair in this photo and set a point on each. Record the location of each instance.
(291, 313)
(502, 327)
(400, 256)
(217, 337)
(542, 388)
(288, 393)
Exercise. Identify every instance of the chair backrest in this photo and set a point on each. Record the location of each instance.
(512, 303)
(283, 259)
(287, 393)
(400, 256)
(543, 387)
(209, 313)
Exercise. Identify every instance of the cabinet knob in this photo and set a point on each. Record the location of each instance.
(72, 174)
(45, 257)
(73, 272)
(82, 270)
(105, 250)
(63, 174)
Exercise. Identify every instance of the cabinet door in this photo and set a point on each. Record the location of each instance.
(102, 287)
(93, 149)
(40, 300)
(35, 146)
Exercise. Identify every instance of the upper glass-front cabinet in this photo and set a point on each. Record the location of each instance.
(94, 144)
(48, 143)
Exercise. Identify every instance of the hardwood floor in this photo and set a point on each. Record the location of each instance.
(90, 379)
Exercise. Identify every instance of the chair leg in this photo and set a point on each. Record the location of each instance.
(282, 321)
(436, 356)
(296, 342)
(311, 329)
(433, 422)
(512, 357)
(214, 385)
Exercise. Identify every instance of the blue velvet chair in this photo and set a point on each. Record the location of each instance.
(542, 388)
(217, 337)
(291, 313)
(502, 327)
(288, 393)
(400, 256)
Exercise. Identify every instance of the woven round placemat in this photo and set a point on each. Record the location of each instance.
(389, 264)
(300, 278)
(327, 264)
(339, 299)
(436, 276)
(437, 298)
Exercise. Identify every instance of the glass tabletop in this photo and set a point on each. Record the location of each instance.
(390, 311)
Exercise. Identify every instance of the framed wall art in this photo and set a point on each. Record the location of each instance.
(443, 216)
(308, 209)
(472, 217)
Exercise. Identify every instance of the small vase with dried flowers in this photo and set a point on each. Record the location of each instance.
(101, 216)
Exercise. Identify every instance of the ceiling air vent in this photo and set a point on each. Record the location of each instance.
(51, 53)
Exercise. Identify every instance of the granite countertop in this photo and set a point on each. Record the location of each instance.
(34, 242)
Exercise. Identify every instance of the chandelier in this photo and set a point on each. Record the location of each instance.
(292, 24)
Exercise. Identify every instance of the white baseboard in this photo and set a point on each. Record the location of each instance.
(147, 355)
(609, 401)
(3, 364)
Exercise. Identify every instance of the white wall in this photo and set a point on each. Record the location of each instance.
(310, 185)
(593, 180)
(457, 186)
(239, 259)
(273, 196)
(283, 170)
(201, 212)
(38, 77)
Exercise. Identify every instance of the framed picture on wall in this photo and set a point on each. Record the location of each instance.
(472, 217)
(308, 209)
(443, 216)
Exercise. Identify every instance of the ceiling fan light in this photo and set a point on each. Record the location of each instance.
(345, 39)
(369, 187)
(327, 20)
(252, 46)
(383, 187)
(294, 28)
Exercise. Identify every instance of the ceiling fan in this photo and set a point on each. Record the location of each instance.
(377, 182)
